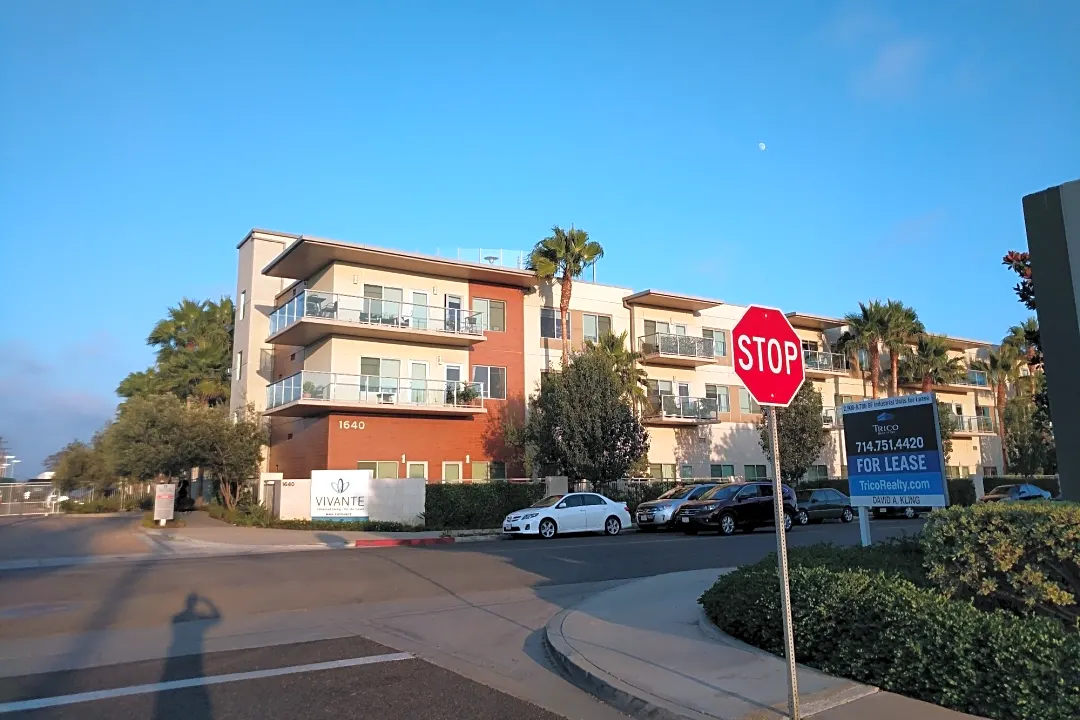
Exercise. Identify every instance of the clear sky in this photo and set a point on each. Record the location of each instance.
(139, 141)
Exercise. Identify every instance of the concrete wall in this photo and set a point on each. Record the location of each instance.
(398, 500)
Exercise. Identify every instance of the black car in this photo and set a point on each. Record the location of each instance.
(905, 511)
(742, 505)
(823, 504)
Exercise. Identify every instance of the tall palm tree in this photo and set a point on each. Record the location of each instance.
(1002, 368)
(563, 256)
(900, 328)
(929, 363)
(852, 348)
(866, 328)
(194, 353)
(632, 379)
(1023, 337)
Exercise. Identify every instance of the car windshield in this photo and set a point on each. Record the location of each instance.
(1002, 490)
(677, 493)
(722, 492)
(548, 501)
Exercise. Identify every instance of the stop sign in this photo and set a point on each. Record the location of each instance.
(768, 356)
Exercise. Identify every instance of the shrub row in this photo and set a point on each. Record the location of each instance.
(107, 505)
(1018, 556)
(899, 557)
(255, 515)
(630, 492)
(474, 506)
(885, 631)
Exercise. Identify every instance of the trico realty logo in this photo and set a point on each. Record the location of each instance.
(885, 424)
(339, 486)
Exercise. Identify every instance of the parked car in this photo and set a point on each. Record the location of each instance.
(742, 505)
(901, 511)
(573, 512)
(659, 513)
(822, 504)
(1016, 493)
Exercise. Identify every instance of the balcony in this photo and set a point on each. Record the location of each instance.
(312, 393)
(969, 425)
(679, 410)
(971, 379)
(676, 350)
(822, 364)
(831, 418)
(313, 315)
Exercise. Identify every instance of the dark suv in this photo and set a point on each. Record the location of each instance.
(742, 505)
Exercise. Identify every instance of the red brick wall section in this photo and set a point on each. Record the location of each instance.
(305, 451)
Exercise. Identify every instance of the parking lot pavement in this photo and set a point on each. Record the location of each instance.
(331, 679)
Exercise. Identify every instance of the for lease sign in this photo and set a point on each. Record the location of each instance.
(893, 448)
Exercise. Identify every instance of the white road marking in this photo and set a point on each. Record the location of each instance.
(195, 682)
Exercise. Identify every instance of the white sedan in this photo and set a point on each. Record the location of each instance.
(575, 512)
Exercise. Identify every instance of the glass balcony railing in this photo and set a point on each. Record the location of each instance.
(824, 361)
(373, 390)
(680, 407)
(977, 378)
(974, 423)
(830, 417)
(686, 346)
(368, 311)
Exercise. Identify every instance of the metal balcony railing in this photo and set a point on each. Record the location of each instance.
(831, 418)
(686, 346)
(368, 311)
(824, 361)
(974, 423)
(374, 390)
(513, 259)
(680, 407)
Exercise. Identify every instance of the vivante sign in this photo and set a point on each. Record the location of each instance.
(340, 494)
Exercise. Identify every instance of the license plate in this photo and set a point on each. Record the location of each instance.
(641, 518)
(507, 527)
(685, 519)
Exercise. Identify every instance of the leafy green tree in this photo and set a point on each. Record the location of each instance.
(1031, 449)
(866, 330)
(81, 465)
(581, 425)
(1002, 368)
(150, 440)
(228, 447)
(800, 431)
(632, 378)
(563, 256)
(929, 363)
(947, 424)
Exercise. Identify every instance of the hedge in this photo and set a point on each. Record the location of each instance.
(255, 515)
(885, 631)
(899, 557)
(633, 493)
(1019, 556)
(454, 506)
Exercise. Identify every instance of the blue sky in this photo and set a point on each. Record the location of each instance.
(140, 141)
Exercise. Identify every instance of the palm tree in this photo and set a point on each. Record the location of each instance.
(1002, 368)
(632, 379)
(900, 328)
(866, 329)
(1025, 338)
(852, 348)
(929, 363)
(564, 255)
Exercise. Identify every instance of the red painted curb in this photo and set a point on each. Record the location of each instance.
(396, 543)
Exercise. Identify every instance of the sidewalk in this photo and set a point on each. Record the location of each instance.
(648, 649)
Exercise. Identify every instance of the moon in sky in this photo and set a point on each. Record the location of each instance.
(761, 146)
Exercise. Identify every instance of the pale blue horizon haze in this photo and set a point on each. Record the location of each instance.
(139, 142)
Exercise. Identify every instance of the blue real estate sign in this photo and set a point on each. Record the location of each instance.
(894, 453)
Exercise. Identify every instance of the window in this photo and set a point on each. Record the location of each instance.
(572, 501)
(379, 469)
(809, 346)
(952, 471)
(843, 399)
(958, 409)
(817, 472)
(680, 329)
(239, 365)
(864, 359)
(750, 491)
(417, 470)
(698, 492)
(595, 326)
(497, 469)
(592, 500)
(652, 328)
(755, 472)
(719, 340)
(747, 404)
(492, 381)
(719, 393)
(686, 471)
(965, 471)
(551, 324)
(660, 387)
(481, 471)
(243, 303)
(451, 472)
(990, 471)
(721, 471)
(493, 313)
(662, 471)
(983, 411)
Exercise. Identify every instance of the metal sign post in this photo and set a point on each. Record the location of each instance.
(781, 554)
(769, 360)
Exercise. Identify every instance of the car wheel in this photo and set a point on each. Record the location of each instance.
(612, 526)
(846, 516)
(727, 524)
(548, 529)
(910, 514)
(802, 518)
(787, 522)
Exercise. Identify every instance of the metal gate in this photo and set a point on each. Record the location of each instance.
(25, 498)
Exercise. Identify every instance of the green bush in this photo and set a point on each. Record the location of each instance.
(1018, 556)
(900, 557)
(91, 507)
(631, 493)
(885, 631)
(454, 506)
(961, 491)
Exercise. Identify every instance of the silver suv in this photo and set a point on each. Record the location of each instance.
(659, 513)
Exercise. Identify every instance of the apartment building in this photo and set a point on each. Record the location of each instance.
(410, 365)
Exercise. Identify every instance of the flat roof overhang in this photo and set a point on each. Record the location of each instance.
(306, 331)
(813, 322)
(670, 301)
(308, 255)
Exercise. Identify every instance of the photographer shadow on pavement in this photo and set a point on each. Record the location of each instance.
(185, 660)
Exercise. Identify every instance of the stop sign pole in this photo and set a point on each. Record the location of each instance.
(769, 361)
